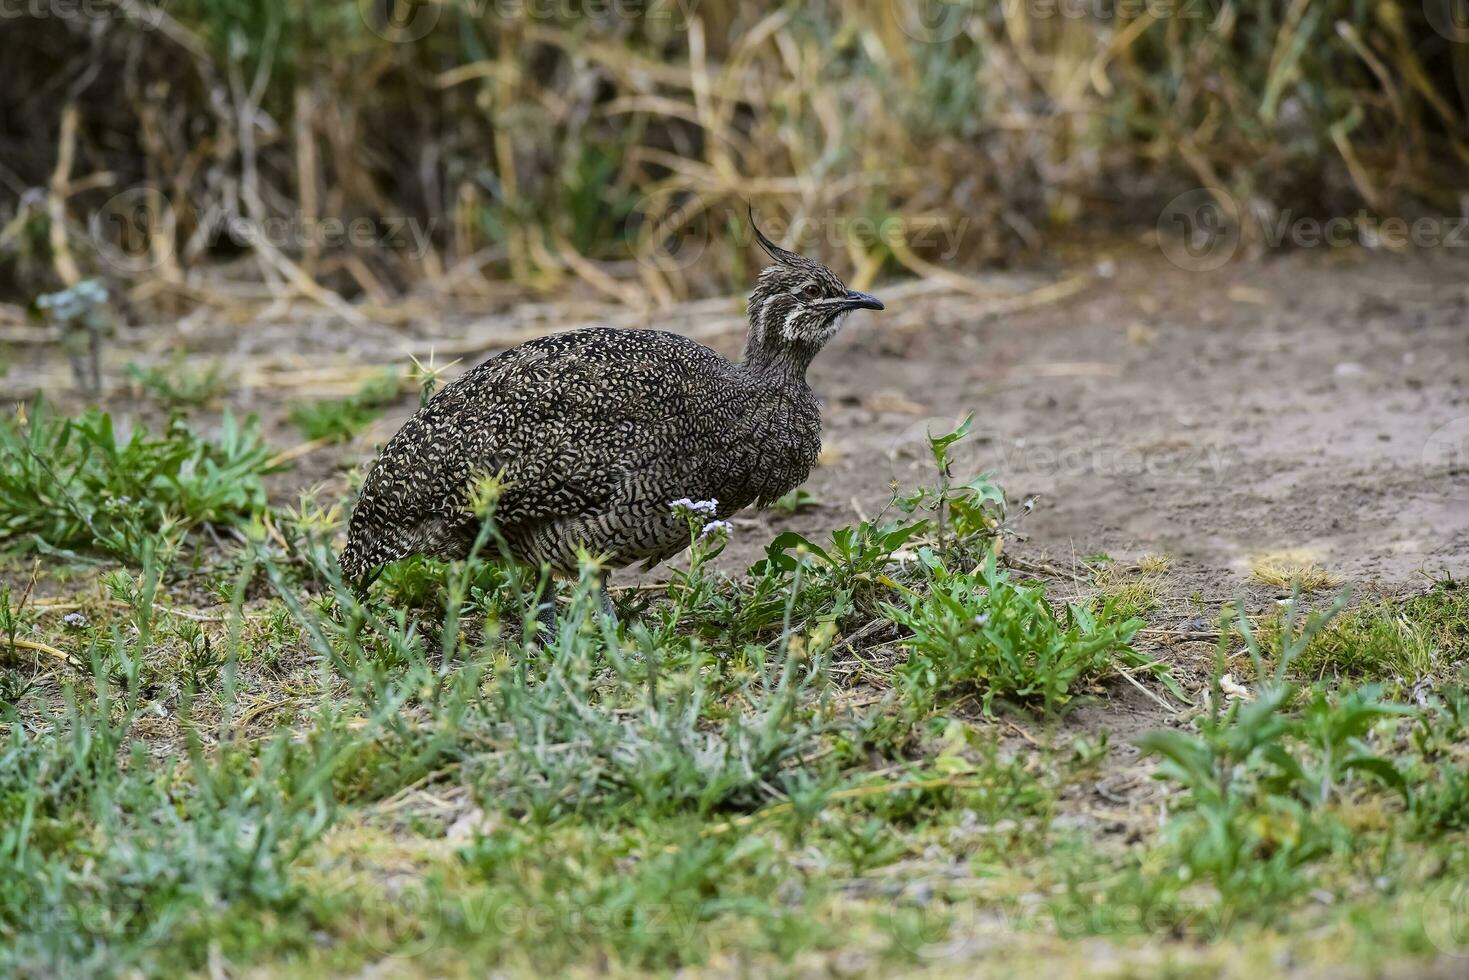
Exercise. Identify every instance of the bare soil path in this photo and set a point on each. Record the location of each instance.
(1309, 402)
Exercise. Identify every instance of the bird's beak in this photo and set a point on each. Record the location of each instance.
(862, 301)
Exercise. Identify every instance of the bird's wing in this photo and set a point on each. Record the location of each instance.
(565, 420)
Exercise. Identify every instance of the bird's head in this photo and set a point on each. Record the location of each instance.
(797, 305)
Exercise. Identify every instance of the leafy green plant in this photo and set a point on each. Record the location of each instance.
(967, 511)
(795, 502)
(983, 632)
(340, 419)
(859, 551)
(1258, 777)
(75, 483)
(1441, 802)
(178, 385)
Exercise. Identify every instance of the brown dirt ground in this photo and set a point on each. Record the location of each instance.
(1285, 404)
(1306, 402)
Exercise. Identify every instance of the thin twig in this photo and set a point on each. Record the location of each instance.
(39, 648)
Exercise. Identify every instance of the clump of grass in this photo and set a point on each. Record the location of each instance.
(1400, 639)
(340, 419)
(1258, 777)
(180, 385)
(75, 483)
(1152, 564)
(1129, 593)
(1441, 779)
(1287, 570)
(982, 632)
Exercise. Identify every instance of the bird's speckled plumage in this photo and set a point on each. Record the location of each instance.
(595, 431)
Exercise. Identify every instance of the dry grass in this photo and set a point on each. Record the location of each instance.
(617, 154)
(1154, 564)
(1133, 590)
(1286, 569)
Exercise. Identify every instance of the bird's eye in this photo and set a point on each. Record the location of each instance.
(812, 291)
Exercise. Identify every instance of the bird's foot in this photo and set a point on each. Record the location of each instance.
(608, 609)
(547, 623)
(546, 620)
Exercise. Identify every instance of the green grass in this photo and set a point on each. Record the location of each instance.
(1130, 592)
(1394, 639)
(983, 633)
(179, 385)
(862, 754)
(80, 484)
(340, 419)
(1257, 784)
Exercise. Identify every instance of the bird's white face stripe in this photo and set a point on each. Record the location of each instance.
(791, 318)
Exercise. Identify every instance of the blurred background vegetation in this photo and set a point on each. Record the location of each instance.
(614, 144)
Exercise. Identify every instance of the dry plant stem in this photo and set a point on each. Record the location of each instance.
(247, 107)
(66, 267)
(40, 648)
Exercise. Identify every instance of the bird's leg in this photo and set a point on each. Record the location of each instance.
(545, 610)
(546, 616)
(608, 609)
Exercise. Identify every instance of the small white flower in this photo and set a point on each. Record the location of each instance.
(1234, 690)
(684, 507)
(714, 528)
(75, 620)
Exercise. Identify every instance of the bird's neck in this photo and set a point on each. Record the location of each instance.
(780, 360)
